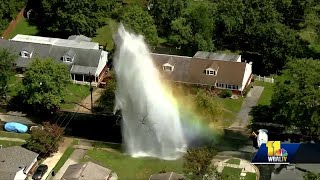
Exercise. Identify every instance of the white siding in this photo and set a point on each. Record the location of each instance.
(246, 76)
(102, 62)
(239, 59)
(20, 175)
(26, 171)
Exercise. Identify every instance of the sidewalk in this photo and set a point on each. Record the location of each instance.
(12, 139)
(52, 161)
(85, 105)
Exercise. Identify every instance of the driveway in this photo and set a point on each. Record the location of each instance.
(250, 100)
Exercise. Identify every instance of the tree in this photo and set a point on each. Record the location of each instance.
(107, 99)
(44, 84)
(207, 106)
(164, 12)
(296, 96)
(197, 164)
(6, 70)
(45, 141)
(194, 30)
(140, 22)
(311, 176)
(64, 18)
(9, 9)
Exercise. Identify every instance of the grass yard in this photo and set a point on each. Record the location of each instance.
(250, 176)
(75, 93)
(14, 85)
(10, 143)
(265, 98)
(231, 173)
(14, 135)
(127, 167)
(23, 27)
(233, 105)
(104, 34)
(233, 161)
(65, 156)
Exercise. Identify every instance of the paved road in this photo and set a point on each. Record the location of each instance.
(12, 139)
(249, 101)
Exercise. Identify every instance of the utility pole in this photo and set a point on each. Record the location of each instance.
(91, 89)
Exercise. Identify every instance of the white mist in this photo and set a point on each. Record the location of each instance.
(151, 124)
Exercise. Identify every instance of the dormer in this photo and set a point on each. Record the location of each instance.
(69, 56)
(212, 69)
(27, 52)
(169, 66)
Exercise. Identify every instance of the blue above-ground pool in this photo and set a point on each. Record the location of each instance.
(16, 127)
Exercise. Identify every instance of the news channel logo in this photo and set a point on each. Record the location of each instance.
(275, 152)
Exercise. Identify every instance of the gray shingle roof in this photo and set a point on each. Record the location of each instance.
(87, 58)
(191, 70)
(12, 159)
(70, 53)
(216, 56)
(28, 49)
(86, 171)
(76, 69)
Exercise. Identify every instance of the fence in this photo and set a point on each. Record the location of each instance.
(264, 79)
(12, 25)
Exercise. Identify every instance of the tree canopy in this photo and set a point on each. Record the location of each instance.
(6, 70)
(44, 84)
(9, 9)
(295, 102)
(139, 21)
(64, 18)
(45, 141)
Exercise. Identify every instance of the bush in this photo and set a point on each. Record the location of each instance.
(225, 93)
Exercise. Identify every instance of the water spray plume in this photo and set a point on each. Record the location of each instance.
(151, 123)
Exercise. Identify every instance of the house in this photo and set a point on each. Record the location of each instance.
(88, 171)
(83, 58)
(213, 70)
(294, 171)
(16, 162)
(167, 176)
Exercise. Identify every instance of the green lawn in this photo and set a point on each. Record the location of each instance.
(14, 135)
(14, 85)
(266, 95)
(23, 27)
(65, 156)
(231, 173)
(104, 34)
(233, 105)
(127, 167)
(10, 143)
(233, 161)
(250, 176)
(75, 94)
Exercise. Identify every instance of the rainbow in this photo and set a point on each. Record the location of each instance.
(196, 128)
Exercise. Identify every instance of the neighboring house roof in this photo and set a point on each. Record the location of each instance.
(13, 159)
(79, 38)
(7, 175)
(192, 70)
(315, 168)
(167, 176)
(88, 59)
(285, 174)
(78, 42)
(86, 171)
(216, 56)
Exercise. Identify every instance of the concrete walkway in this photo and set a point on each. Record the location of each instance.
(53, 160)
(249, 101)
(12, 139)
(85, 105)
(75, 158)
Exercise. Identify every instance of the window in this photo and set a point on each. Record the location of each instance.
(67, 59)
(167, 68)
(25, 54)
(211, 72)
(229, 86)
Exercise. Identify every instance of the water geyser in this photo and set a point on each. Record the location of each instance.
(151, 124)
